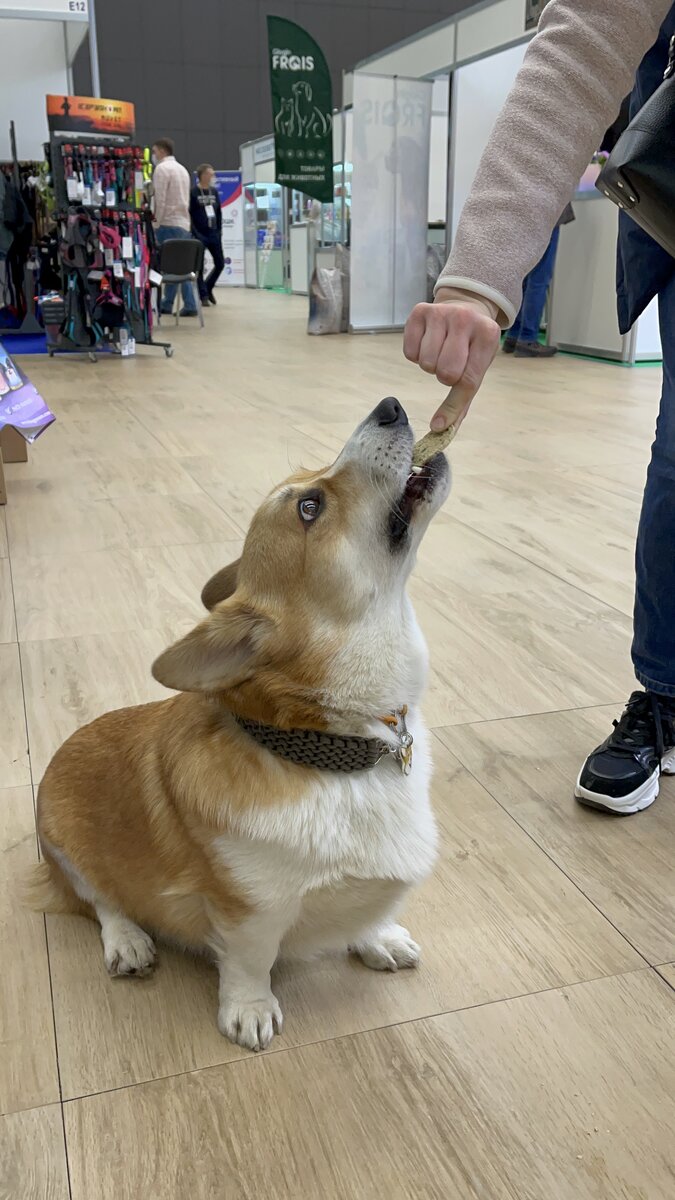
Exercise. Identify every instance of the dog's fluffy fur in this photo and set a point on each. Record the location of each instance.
(170, 818)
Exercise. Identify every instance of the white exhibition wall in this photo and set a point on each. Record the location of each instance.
(450, 42)
(342, 127)
(488, 27)
(422, 55)
(648, 347)
(479, 91)
(438, 154)
(585, 316)
(247, 163)
(391, 131)
(33, 64)
(265, 172)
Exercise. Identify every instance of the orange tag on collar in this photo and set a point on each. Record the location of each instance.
(403, 753)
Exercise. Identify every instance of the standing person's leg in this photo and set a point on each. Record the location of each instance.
(534, 298)
(163, 233)
(215, 248)
(512, 335)
(622, 775)
(202, 285)
(654, 616)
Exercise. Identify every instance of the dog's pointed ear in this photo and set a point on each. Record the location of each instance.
(221, 586)
(218, 654)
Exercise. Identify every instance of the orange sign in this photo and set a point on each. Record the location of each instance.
(90, 114)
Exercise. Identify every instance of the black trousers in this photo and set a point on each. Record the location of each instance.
(211, 242)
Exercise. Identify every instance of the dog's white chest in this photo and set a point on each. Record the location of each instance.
(374, 825)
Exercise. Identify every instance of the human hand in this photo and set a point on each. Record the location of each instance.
(455, 339)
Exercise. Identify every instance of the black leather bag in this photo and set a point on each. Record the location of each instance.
(639, 175)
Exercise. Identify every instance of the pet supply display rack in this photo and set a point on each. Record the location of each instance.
(106, 248)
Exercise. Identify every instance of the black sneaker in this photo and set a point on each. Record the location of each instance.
(508, 345)
(622, 775)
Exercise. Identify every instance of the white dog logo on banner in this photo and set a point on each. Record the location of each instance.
(311, 122)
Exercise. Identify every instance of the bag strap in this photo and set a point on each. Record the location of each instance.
(671, 59)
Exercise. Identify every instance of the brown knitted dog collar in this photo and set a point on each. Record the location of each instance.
(335, 752)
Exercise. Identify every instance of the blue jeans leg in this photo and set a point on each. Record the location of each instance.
(527, 324)
(654, 615)
(163, 234)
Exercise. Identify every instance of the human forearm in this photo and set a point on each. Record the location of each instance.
(451, 295)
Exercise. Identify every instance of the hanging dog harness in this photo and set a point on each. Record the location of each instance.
(334, 752)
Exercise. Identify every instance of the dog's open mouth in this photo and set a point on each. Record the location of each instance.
(419, 487)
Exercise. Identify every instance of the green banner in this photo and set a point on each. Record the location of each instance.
(302, 105)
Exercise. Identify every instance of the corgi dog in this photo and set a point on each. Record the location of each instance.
(278, 805)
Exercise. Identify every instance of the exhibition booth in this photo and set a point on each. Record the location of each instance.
(288, 234)
(472, 59)
(39, 40)
(406, 142)
(582, 306)
(285, 232)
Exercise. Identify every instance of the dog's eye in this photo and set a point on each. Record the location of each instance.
(309, 508)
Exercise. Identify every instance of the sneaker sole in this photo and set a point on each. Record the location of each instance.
(635, 801)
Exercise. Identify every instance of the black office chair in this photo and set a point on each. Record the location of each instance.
(180, 261)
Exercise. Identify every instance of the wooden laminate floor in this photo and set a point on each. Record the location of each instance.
(532, 1055)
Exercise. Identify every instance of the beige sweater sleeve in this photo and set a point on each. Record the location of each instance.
(576, 71)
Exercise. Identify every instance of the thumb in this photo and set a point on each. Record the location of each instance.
(454, 408)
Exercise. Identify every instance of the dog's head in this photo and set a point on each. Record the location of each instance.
(327, 554)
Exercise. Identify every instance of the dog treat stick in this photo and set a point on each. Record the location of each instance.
(430, 444)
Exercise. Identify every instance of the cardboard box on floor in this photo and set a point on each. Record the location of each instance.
(13, 448)
(24, 415)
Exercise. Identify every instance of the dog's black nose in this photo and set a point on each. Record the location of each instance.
(390, 412)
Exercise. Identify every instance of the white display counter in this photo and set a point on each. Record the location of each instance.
(299, 244)
(582, 308)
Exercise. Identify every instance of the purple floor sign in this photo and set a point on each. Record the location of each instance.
(21, 405)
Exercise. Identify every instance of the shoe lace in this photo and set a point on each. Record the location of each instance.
(641, 724)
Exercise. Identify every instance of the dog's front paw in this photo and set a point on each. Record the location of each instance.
(250, 1023)
(128, 950)
(388, 950)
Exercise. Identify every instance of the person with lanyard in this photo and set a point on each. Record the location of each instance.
(207, 223)
(583, 60)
